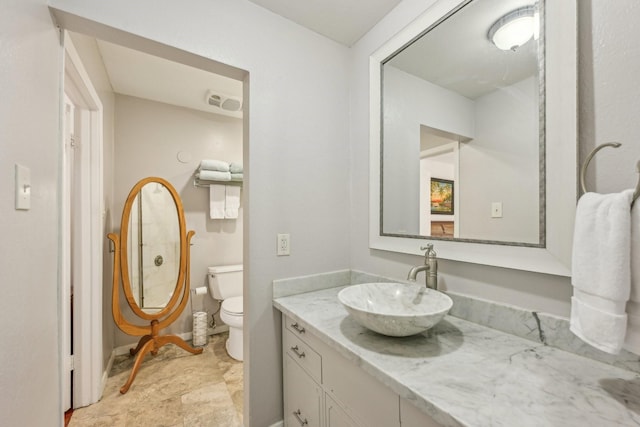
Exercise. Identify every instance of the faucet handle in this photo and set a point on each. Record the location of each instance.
(430, 253)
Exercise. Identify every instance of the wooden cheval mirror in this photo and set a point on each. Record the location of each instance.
(152, 261)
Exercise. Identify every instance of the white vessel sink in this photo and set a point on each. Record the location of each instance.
(395, 309)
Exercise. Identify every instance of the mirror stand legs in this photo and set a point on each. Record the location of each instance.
(142, 350)
(141, 343)
(174, 339)
(151, 344)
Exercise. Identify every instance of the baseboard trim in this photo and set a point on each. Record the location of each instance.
(124, 349)
(105, 374)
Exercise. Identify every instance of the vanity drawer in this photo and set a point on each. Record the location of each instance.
(303, 354)
(297, 328)
(300, 330)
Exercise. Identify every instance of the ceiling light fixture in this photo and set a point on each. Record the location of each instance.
(514, 29)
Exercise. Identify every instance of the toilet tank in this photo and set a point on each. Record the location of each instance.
(225, 281)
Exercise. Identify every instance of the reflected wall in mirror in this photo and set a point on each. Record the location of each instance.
(457, 108)
(151, 260)
(510, 154)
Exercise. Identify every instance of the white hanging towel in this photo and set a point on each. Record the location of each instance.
(232, 201)
(632, 340)
(216, 201)
(601, 269)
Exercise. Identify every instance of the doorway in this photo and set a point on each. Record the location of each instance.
(150, 158)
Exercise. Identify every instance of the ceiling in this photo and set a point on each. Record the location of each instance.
(458, 55)
(146, 76)
(138, 74)
(344, 21)
(463, 47)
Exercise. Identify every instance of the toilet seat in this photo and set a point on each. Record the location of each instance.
(233, 306)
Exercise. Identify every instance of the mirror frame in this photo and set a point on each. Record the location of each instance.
(124, 252)
(561, 149)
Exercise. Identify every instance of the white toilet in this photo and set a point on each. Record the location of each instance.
(225, 283)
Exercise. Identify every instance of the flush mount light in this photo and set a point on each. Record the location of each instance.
(514, 29)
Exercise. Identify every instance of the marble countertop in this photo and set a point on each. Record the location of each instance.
(462, 373)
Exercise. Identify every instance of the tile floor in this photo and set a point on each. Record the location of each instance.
(174, 388)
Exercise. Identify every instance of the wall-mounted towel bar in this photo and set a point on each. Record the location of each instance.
(583, 170)
(206, 184)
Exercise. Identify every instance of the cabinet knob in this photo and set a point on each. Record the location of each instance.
(299, 418)
(297, 352)
(298, 328)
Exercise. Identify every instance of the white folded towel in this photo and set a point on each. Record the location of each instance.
(237, 177)
(213, 176)
(235, 167)
(214, 165)
(216, 201)
(601, 269)
(232, 201)
(632, 340)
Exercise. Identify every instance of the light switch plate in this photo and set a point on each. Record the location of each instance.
(23, 188)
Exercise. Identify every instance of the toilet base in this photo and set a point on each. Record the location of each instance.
(234, 343)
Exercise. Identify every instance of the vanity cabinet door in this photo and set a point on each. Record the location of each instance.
(410, 416)
(335, 415)
(302, 397)
(363, 398)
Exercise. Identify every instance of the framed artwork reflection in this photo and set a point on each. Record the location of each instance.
(441, 196)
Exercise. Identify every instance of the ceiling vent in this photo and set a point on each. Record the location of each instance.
(226, 102)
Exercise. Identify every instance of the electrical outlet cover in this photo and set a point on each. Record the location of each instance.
(283, 245)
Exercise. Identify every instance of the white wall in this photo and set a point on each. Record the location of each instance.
(501, 164)
(504, 141)
(298, 150)
(609, 89)
(149, 136)
(409, 103)
(30, 64)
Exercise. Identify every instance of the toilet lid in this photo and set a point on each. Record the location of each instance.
(233, 305)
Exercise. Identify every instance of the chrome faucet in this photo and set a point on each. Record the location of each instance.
(430, 267)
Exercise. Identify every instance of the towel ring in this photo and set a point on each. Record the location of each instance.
(585, 165)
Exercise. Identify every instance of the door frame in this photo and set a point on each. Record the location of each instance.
(88, 378)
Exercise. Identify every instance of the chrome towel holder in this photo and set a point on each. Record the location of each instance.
(585, 165)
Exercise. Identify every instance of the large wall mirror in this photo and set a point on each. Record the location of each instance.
(151, 261)
(473, 134)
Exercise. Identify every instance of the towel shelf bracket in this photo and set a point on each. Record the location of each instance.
(585, 165)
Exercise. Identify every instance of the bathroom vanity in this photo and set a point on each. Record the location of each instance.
(324, 388)
(337, 373)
